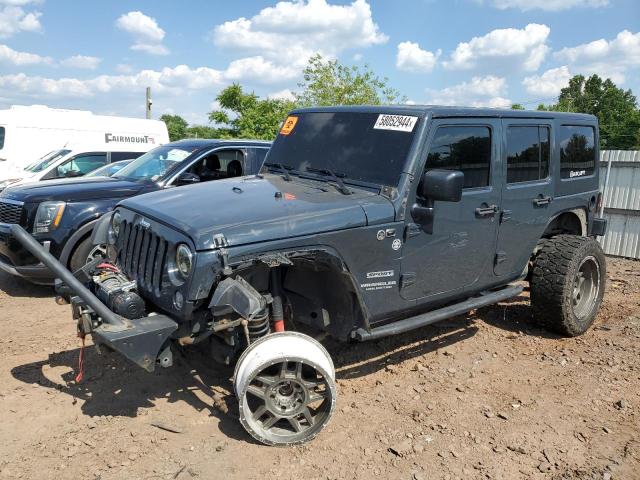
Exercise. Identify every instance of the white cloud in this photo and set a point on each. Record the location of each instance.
(14, 19)
(625, 48)
(610, 58)
(291, 31)
(170, 81)
(479, 92)
(147, 34)
(15, 57)
(82, 62)
(548, 5)
(259, 69)
(411, 58)
(525, 47)
(548, 84)
(150, 48)
(18, 3)
(285, 94)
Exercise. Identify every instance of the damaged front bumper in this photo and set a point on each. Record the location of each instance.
(144, 341)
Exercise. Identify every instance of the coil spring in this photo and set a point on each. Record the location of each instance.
(258, 326)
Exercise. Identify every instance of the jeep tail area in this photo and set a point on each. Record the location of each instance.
(364, 222)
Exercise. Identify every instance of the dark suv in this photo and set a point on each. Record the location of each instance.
(366, 222)
(61, 214)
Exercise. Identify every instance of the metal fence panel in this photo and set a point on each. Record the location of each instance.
(621, 202)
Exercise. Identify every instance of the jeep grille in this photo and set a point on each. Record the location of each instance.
(142, 255)
(10, 212)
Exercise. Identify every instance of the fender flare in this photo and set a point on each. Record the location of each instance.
(243, 260)
(73, 241)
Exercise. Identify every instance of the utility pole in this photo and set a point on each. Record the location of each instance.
(148, 103)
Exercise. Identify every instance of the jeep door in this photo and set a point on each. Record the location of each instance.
(526, 192)
(444, 257)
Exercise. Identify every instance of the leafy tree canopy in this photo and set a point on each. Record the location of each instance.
(244, 115)
(327, 82)
(176, 126)
(616, 109)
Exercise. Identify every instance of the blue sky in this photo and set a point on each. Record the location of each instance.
(100, 56)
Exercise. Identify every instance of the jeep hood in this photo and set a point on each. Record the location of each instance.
(258, 209)
(73, 189)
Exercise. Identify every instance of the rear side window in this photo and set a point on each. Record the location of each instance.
(117, 156)
(577, 151)
(527, 153)
(465, 148)
(2, 132)
(81, 165)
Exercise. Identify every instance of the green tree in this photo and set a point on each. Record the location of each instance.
(616, 109)
(202, 131)
(517, 106)
(327, 82)
(244, 115)
(176, 126)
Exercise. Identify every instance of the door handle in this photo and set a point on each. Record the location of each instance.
(486, 211)
(541, 201)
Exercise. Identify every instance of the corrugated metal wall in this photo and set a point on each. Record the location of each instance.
(621, 202)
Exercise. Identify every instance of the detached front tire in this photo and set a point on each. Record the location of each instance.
(567, 284)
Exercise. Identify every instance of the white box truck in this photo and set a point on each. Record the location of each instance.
(29, 134)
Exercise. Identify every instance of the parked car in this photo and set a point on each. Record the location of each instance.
(368, 222)
(72, 162)
(30, 133)
(110, 169)
(62, 213)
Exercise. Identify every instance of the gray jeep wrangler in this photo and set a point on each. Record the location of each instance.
(364, 222)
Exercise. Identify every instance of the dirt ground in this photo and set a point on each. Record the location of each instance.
(487, 395)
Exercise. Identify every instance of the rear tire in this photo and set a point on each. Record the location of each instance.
(567, 284)
(84, 252)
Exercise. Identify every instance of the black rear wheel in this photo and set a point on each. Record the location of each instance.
(567, 284)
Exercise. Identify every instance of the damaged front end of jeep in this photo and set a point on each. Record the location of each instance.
(155, 292)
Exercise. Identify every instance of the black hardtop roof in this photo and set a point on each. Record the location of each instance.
(444, 111)
(213, 142)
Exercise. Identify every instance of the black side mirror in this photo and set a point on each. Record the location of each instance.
(442, 185)
(436, 185)
(187, 178)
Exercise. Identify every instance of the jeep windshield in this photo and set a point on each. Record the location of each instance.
(370, 148)
(155, 163)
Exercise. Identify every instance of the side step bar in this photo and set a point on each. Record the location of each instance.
(408, 324)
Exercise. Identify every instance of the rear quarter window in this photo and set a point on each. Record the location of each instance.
(577, 151)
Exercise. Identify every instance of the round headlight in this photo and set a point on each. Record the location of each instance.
(184, 259)
(116, 220)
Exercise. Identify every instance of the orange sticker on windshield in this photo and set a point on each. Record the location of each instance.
(288, 125)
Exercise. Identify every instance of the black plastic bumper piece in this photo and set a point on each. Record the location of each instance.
(408, 324)
(598, 227)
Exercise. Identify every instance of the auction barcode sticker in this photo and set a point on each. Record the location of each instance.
(400, 123)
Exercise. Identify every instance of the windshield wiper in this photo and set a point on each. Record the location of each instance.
(282, 168)
(342, 188)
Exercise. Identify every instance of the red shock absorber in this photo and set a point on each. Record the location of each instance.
(277, 311)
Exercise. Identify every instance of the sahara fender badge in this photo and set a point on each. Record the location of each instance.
(397, 243)
(380, 235)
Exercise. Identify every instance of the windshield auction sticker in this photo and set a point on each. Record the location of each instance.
(399, 123)
(288, 125)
